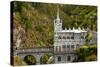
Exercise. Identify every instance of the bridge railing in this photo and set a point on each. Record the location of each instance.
(35, 50)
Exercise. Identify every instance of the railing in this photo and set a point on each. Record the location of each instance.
(34, 50)
(43, 50)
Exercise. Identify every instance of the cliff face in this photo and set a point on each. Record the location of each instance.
(33, 22)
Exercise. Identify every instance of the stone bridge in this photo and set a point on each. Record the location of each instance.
(59, 57)
(36, 52)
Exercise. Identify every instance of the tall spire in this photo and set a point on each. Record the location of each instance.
(58, 22)
(58, 12)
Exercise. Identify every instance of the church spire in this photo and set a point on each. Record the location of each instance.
(58, 13)
(57, 22)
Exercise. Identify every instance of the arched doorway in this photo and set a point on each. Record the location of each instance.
(30, 60)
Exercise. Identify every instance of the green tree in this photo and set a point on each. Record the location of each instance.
(87, 53)
(30, 60)
(88, 37)
(44, 59)
(18, 61)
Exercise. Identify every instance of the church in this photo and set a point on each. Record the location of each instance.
(66, 41)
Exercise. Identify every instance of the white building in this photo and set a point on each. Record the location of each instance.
(67, 38)
(66, 41)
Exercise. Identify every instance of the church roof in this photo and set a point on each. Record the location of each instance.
(79, 30)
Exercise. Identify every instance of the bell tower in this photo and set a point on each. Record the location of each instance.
(57, 29)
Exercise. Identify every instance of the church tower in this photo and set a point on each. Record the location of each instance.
(57, 29)
(57, 22)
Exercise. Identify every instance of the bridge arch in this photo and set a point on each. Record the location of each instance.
(36, 52)
(30, 60)
(44, 58)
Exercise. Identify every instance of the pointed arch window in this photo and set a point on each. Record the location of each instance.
(59, 37)
(64, 37)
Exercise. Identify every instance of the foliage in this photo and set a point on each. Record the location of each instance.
(44, 59)
(30, 60)
(18, 61)
(87, 53)
(88, 36)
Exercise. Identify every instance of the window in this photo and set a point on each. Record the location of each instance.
(59, 37)
(64, 46)
(59, 58)
(59, 48)
(72, 37)
(77, 45)
(68, 37)
(72, 46)
(68, 58)
(64, 37)
(68, 46)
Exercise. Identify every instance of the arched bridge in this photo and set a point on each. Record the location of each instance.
(37, 52)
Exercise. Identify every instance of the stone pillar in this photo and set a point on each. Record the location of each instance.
(38, 58)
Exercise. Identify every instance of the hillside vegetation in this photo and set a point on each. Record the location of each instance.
(36, 21)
